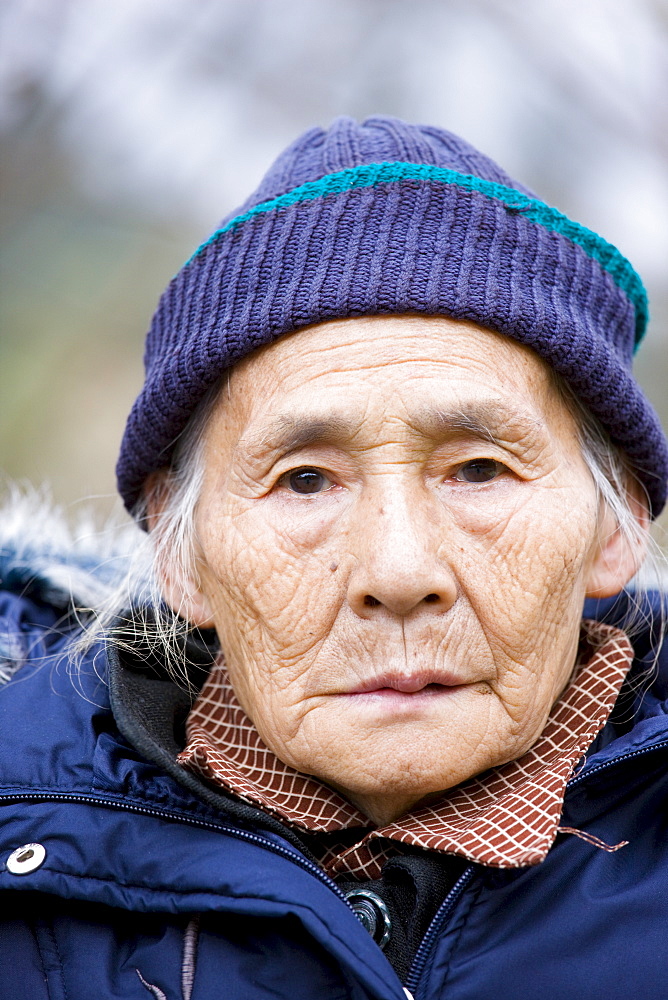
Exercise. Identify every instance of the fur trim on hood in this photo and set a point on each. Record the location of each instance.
(71, 567)
(64, 564)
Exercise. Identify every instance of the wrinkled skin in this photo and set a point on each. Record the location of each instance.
(411, 621)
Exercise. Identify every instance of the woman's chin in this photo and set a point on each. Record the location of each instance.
(384, 806)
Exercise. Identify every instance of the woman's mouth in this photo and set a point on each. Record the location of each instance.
(408, 686)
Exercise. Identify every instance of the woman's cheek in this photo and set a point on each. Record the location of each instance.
(271, 602)
(525, 596)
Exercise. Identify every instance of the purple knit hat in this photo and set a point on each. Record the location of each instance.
(384, 217)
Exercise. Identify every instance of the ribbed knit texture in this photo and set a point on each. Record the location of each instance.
(383, 218)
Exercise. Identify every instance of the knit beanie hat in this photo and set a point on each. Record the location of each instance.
(385, 217)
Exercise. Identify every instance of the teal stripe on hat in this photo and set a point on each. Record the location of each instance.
(373, 174)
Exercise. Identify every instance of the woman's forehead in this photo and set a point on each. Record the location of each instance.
(438, 376)
(372, 343)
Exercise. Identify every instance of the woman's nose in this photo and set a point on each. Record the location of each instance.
(399, 564)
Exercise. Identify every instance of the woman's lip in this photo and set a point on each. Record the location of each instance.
(389, 694)
(408, 684)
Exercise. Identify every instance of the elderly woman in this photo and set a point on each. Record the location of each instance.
(364, 744)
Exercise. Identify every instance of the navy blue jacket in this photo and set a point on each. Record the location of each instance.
(146, 890)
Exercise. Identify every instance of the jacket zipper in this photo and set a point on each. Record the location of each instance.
(448, 904)
(585, 775)
(434, 928)
(443, 911)
(252, 838)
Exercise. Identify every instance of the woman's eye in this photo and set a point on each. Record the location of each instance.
(305, 481)
(479, 470)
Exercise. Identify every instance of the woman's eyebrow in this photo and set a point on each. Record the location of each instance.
(494, 422)
(288, 433)
(458, 422)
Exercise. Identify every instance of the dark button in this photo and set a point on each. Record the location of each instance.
(372, 913)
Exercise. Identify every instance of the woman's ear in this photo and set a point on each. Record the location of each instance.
(619, 554)
(186, 599)
(179, 585)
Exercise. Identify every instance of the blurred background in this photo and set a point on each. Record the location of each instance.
(129, 128)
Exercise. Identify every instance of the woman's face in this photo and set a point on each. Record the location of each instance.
(396, 533)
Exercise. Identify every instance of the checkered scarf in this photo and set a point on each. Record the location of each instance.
(507, 817)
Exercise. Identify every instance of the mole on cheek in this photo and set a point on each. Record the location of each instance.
(333, 567)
